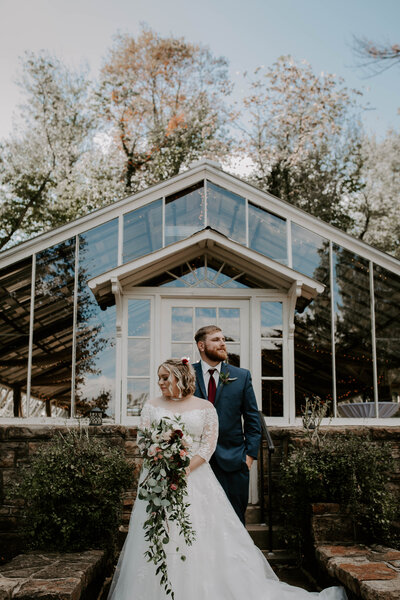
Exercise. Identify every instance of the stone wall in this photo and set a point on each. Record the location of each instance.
(19, 443)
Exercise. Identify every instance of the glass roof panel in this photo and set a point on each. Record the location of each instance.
(226, 212)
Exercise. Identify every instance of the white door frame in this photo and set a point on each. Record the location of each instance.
(160, 297)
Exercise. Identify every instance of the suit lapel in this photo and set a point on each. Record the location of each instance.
(221, 385)
(200, 379)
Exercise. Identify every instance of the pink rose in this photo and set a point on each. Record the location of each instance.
(173, 486)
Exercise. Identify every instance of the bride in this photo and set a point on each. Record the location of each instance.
(223, 563)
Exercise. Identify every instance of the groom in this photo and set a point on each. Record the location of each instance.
(230, 390)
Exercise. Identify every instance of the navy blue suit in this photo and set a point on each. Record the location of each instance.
(236, 439)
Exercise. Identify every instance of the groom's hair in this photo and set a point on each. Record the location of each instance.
(204, 331)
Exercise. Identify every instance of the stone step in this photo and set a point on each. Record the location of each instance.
(281, 557)
(253, 514)
(260, 535)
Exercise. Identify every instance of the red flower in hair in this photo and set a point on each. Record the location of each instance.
(185, 360)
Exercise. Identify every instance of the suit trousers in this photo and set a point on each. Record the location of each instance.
(235, 485)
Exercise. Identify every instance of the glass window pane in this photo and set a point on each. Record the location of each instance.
(179, 349)
(308, 250)
(354, 372)
(267, 233)
(194, 273)
(138, 356)
(142, 231)
(271, 358)
(229, 321)
(271, 319)
(182, 324)
(387, 328)
(313, 345)
(233, 354)
(226, 212)
(204, 317)
(184, 213)
(139, 317)
(272, 398)
(15, 299)
(137, 394)
(53, 321)
(95, 368)
(95, 336)
(98, 249)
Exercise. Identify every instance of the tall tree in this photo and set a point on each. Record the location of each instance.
(162, 101)
(379, 200)
(303, 138)
(40, 174)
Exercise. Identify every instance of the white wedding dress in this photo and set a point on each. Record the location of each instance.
(223, 563)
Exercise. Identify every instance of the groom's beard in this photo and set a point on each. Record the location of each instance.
(215, 355)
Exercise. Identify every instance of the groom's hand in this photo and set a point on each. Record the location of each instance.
(249, 461)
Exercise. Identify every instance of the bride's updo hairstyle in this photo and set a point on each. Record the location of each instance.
(184, 374)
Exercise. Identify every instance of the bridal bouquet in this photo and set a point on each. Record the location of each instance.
(164, 446)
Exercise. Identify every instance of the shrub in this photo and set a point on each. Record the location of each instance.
(347, 469)
(72, 493)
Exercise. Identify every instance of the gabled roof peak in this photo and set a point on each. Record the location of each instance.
(205, 162)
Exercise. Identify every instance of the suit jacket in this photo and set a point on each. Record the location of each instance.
(233, 401)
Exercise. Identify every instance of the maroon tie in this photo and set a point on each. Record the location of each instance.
(212, 388)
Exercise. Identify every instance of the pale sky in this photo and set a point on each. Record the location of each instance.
(249, 33)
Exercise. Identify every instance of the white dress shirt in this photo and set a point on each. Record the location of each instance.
(206, 375)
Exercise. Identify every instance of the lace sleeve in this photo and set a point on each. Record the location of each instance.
(145, 418)
(144, 423)
(209, 436)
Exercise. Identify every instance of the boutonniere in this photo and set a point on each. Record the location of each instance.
(225, 379)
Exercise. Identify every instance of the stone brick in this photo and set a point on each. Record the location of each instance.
(9, 475)
(35, 446)
(325, 553)
(322, 508)
(6, 588)
(131, 448)
(55, 570)
(18, 433)
(25, 561)
(332, 528)
(381, 590)
(7, 458)
(60, 589)
(369, 571)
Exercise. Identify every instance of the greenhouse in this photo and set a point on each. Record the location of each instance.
(90, 309)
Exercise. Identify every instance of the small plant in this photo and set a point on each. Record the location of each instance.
(72, 493)
(314, 410)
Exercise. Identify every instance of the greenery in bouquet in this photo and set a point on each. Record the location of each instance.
(165, 447)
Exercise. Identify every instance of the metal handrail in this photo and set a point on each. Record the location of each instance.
(265, 435)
